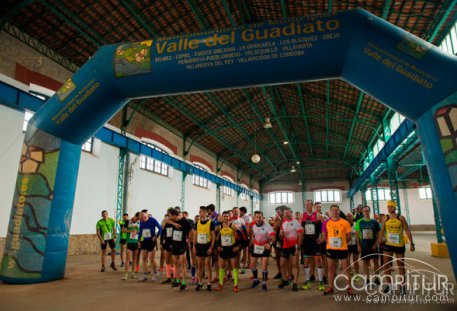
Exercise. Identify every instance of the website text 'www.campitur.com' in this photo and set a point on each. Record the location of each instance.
(396, 299)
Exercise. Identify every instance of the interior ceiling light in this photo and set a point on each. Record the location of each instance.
(300, 183)
(285, 142)
(298, 162)
(267, 123)
(255, 157)
(292, 169)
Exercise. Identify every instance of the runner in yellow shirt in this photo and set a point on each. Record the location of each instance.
(337, 233)
(392, 229)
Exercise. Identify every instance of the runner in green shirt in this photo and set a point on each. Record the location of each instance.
(106, 233)
(367, 242)
(131, 233)
(123, 223)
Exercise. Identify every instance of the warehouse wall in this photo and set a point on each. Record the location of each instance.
(420, 211)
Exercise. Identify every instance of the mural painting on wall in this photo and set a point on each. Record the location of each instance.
(132, 59)
(31, 207)
(446, 120)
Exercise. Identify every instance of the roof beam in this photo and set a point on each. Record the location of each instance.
(138, 15)
(256, 110)
(97, 40)
(270, 103)
(327, 104)
(354, 121)
(172, 102)
(234, 123)
(305, 117)
(40, 47)
(442, 20)
(13, 12)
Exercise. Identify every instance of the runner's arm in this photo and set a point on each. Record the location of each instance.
(171, 222)
(408, 232)
(99, 235)
(381, 234)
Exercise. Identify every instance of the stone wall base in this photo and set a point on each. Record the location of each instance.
(88, 244)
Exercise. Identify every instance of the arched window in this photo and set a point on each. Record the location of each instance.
(153, 165)
(199, 180)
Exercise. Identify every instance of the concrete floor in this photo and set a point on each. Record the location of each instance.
(85, 288)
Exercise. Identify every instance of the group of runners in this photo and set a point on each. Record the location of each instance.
(230, 243)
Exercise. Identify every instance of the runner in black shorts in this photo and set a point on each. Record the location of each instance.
(228, 247)
(311, 223)
(178, 248)
(367, 242)
(261, 235)
(203, 241)
(148, 242)
(166, 239)
(133, 226)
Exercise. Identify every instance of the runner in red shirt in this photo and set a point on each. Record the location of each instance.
(290, 233)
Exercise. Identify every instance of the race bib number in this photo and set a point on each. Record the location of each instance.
(146, 233)
(226, 240)
(336, 242)
(394, 238)
(177, 236)
(107, 236)
(259, 249)
(202, 238)
(169, 232)
(133, 235)
(310, 229)
(367, 234)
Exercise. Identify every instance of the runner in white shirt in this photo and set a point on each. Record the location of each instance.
(242, 226)
(246, 259)
(261, 237)
(290, 233)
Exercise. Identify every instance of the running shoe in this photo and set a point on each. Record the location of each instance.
(295, 287)
(175, 283)
(306, 286)
(321, 287)
(122, 264)
(208, 288)
(255, 284)
(182, 288)
(283, 284)
(198, 287)
(102, 269)
(125, 277)
(236, 289)
(328, 291)
(278, 276)
(219, 288)
(113, 266)
(264, 287)
(167, 281)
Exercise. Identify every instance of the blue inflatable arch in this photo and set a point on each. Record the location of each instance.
(398, 69)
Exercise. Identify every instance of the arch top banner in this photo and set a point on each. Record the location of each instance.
(397, 68)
